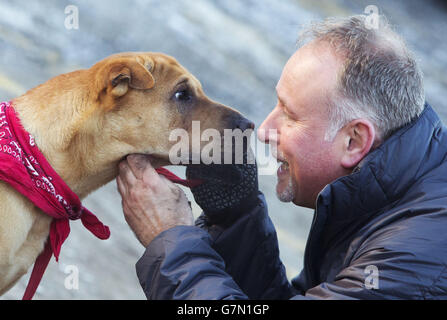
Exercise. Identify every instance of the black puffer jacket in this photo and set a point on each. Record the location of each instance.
(379, 233)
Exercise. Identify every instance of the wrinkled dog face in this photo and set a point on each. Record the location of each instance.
(146, 96)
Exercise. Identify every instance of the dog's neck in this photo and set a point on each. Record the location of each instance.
(58, 129)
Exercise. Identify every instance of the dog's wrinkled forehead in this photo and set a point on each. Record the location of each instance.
(162, 66)
(145, 58)
(169, 69)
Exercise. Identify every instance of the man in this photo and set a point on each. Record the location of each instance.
(357, 143)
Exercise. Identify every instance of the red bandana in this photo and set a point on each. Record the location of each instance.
(25, 168)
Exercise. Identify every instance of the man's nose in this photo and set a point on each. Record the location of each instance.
(265, 130)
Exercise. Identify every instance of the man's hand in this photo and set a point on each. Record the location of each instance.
(151, 203)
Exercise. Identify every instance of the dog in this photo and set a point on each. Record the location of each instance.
(87, 121)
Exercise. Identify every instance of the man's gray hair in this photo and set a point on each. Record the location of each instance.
(379, 80)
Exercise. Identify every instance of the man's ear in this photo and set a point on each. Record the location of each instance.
(358, 140)
(128, 73)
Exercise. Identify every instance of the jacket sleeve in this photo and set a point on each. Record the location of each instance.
(240, 261)
(380, 273)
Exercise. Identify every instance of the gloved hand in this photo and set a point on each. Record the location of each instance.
(227, 189)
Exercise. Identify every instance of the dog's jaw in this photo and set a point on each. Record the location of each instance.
(157, 161)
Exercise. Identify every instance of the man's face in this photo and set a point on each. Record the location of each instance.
(308, 162)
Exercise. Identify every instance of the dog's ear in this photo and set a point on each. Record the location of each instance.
(129, 73)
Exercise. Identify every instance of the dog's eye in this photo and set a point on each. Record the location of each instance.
(183, 95)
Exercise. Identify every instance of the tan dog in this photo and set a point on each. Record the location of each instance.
(86, 121)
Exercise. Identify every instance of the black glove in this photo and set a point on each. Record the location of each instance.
(228, 189)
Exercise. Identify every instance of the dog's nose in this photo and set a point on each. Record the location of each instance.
(241, 123)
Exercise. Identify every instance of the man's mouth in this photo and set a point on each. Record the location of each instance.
(283, 168)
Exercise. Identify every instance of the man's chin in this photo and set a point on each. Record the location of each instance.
(285, 191)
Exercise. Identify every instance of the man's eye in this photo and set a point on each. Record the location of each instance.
(285, 111)
(183, 95)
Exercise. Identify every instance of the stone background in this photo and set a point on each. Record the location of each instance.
(237, 48)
